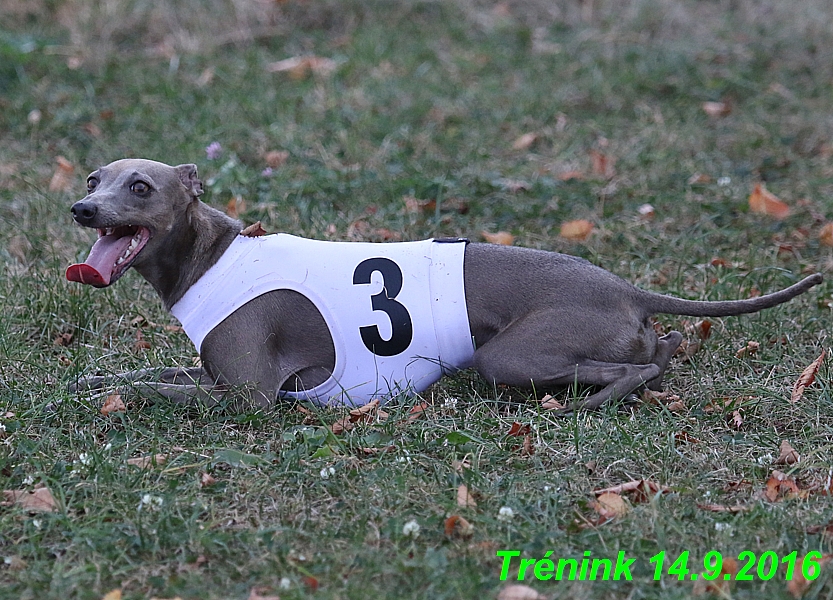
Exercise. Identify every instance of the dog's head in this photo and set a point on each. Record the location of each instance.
(133, 204)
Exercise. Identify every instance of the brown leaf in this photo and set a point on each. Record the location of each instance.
(417, 412)
(276, 158)
(504, 238)
(643, 489)
(779, 486)
(826, 235)
(699, 179)
(464, 497)
(144, 462)
(363, 413)
(112, 595)
(299, 67)
(62, 177)
(737, 418)
(517, 591)
(311, 582)
(528, 447)
(253, 230)
(577, 230)
(549, 402)
(806, 378)
(602, 164)
(716, 109)
(703, 329)
(799, 584)
(610, 505)
(685, 437)
(15, 563)
(525, 141)
(687, 349)
(235, 206)
(722, 508)
(764, 202)
(65, 339)
(141, 343)
(570, 175)
(37, 500)
(113, 404)
(207, 480)
(457, 526)
(261, 593)
(750, 349)
(788, 455)
(721, 585)
(646, 211)
(518, 430)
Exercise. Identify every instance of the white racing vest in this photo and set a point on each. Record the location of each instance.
(396, 312)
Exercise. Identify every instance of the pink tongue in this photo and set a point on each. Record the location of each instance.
(100, 264)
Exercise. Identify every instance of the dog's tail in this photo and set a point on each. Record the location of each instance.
(658, 303)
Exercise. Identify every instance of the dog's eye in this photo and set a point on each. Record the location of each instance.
(140, 188)
(92, 183)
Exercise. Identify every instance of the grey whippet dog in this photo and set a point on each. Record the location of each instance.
(535, 318)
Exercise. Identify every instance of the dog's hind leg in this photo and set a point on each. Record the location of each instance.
(666, 347)
(172, 375)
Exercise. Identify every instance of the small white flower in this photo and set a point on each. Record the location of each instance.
(327, 472)
(450, 403)
(547, 488)
(108, 446)
(411, 528)
(285, 583)
(37, 523)
(29, 480)
(404, 459)
(85, 459)
(724, 181)
(150, 502)
(765, 459)
(719, 526)
(505, 514)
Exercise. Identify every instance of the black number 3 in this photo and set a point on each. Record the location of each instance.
(402, 330)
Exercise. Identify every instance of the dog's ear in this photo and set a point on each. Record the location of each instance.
(188, 177)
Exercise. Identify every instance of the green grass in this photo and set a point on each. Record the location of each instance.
(426, 102)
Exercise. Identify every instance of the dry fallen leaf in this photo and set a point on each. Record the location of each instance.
(206, 480)
(236, 206)
(602, 164)
(143, 462)
(806, 378)
(62, 177)
(577, 230)
(253, 230)
(37, 500)
(64, 339)
(299, 67)
(276, 158)
(750, 349)
(525, 141)
(699, 179)
(113, 404)
(570, 175)
(721, 585)
(643, 489)
(261, 593)
(703, 329)
(826, 235)
(518, 430)
(504, 238)
(457, 526)
(610, 505)
(716, 109)
(517, 591)
(723, 508)
(112, 595)
(15, 563)
(799, 584)
(764, 202)
(464, 497)
(551, 403)
(788, 455)
(736, 418)
(779, 486)
(417, 412)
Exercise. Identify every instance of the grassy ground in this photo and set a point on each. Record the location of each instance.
(425, 104)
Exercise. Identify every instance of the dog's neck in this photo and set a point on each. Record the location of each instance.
(183, 258)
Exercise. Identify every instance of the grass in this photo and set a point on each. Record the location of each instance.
(426, 103)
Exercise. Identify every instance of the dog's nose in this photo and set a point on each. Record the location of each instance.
(84, 212)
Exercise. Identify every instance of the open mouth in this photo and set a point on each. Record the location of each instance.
(111, 255)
